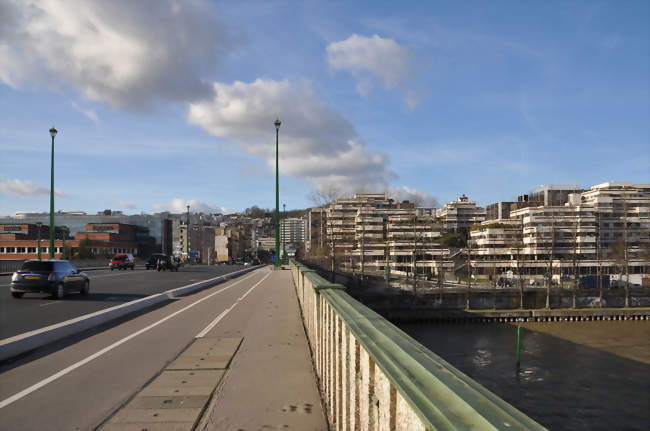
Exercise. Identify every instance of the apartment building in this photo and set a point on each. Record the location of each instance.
(293, 230)
(595, 230)
(459, 216)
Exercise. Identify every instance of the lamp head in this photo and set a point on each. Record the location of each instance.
(277, 124)
(53, 131)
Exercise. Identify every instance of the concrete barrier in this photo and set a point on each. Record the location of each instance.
(372, 375)
(19, 344)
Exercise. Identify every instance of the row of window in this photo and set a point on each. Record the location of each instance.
(32, 250)
(19, 250)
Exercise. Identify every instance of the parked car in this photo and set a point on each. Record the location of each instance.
(166, 263)
(53, 276)
(122, 261)
(152, 262)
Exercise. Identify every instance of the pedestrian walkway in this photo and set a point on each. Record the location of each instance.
(270, 383)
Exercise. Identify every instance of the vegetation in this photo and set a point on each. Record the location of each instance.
(452, 240)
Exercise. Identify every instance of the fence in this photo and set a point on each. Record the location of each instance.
(374, 376)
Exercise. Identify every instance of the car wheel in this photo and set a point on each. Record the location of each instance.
(17, 294)
(158, 269)
(112, 269)
(84, 290)
(60, 291)
(133, 267)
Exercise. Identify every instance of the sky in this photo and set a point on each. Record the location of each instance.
(163, 103)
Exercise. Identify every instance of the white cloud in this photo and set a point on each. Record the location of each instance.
(178, 206)
(404, 193)
(26, 188)
(365, 57)
(87, 112)
(316, 141)
(124, 53)
(127, 205)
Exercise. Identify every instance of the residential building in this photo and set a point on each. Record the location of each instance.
(460, 215)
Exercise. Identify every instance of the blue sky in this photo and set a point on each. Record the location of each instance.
(159, 103)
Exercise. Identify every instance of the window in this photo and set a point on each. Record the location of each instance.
(2, 249)
(31, 249)
(21, 250)
(11, 249)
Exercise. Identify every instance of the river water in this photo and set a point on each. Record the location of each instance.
(573, 375)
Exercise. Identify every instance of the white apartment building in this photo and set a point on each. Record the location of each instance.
(293, 230)
(596, 230)
(459, 216)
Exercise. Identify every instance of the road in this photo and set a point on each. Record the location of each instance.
(107, 289)
(79, 386)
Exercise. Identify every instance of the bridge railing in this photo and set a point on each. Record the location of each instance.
(374, 376)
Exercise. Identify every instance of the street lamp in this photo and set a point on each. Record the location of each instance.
(53, 133)
(277, 195)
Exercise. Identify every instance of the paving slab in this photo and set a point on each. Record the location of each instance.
(128, 414)
(170, 402)
(149, 426)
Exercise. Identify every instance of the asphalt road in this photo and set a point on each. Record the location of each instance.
(107, 289)
(78, 386)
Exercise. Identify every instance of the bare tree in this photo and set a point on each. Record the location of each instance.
(517, 248)
(599, 270)
(549, 272)
(625, 250)
(574, 256)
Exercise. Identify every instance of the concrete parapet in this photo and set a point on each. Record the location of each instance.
(374, 376)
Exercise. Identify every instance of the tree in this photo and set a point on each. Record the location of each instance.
(85, 251)
(451, 239)
(550, 248)
(516, 249)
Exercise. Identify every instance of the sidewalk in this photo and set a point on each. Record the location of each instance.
(270, 383)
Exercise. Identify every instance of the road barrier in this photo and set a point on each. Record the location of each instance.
(22, 343)
(372, 375)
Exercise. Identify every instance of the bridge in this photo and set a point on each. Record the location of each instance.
(220, 347)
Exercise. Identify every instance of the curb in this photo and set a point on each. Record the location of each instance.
(18, 344)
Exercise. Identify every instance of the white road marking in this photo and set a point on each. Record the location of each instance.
(49, 303)
(96, 355)
(226, 311)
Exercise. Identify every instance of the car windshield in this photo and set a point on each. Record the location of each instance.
(37, 266)
(119, 257)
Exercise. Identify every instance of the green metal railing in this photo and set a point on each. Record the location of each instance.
(442, 396)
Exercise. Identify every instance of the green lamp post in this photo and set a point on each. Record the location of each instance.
(277, 196)
(53, 133)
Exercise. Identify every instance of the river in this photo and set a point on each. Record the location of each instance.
(573, 375)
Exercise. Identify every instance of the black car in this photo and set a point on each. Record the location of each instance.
(48, 276)
(153, 261)
(166, 263)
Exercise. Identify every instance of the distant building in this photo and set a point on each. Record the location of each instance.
(20, 241)
(460, 215)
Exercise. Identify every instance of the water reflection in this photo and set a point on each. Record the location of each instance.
(572, 376)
